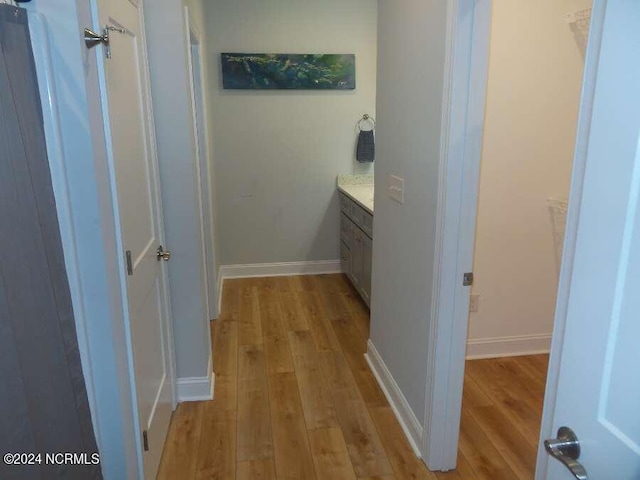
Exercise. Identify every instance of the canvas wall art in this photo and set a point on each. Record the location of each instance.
(288, 71)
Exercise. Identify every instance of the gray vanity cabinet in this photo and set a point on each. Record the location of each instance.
(356, 245)
(357, 261)
(367, 260)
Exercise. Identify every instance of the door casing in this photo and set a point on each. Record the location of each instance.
(466, 67)
(203, 165)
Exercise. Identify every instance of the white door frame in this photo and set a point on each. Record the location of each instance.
(205, 195)
(466, 65)
(463, 126)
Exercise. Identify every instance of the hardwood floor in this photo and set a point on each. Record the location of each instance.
(295, 399)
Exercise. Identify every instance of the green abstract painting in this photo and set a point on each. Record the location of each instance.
(288, 71)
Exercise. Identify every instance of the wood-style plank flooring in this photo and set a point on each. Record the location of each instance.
(295, 399)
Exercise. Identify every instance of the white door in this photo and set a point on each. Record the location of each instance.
(598, 393)
(135, 173)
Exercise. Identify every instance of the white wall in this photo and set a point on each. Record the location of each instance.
(411, 52)
(173, 116)
(277, 153)
(535, 74)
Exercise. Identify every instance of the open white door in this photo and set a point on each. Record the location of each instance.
(598, 389)
(129, 132)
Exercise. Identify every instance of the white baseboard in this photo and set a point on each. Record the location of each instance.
(508, 346)
(195, 389)
(280, 269)
(407, 419)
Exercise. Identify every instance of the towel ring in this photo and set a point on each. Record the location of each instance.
(366, 118)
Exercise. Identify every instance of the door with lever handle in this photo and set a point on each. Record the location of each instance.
(566, 449)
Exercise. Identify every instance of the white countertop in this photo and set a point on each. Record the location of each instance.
(362, 194)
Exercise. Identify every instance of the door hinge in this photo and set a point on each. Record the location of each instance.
(129, 263)
(145, 441)
(467, 279)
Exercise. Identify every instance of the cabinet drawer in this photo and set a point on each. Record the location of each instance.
(363, 219)
(345, 204)
(367, 257)
(345, 258)
(367, 223)
(356, 214)
(345, 229)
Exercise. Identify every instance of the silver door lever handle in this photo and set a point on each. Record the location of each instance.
(92, 39)
(566, 449)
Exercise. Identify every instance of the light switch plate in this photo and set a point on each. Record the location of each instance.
(396, 188)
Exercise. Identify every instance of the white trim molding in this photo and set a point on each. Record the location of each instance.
(280, 269)
(508, 346)
(410, 424)
(466, 68)
(194, 389)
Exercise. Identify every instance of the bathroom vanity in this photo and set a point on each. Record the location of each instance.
(356, 231)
